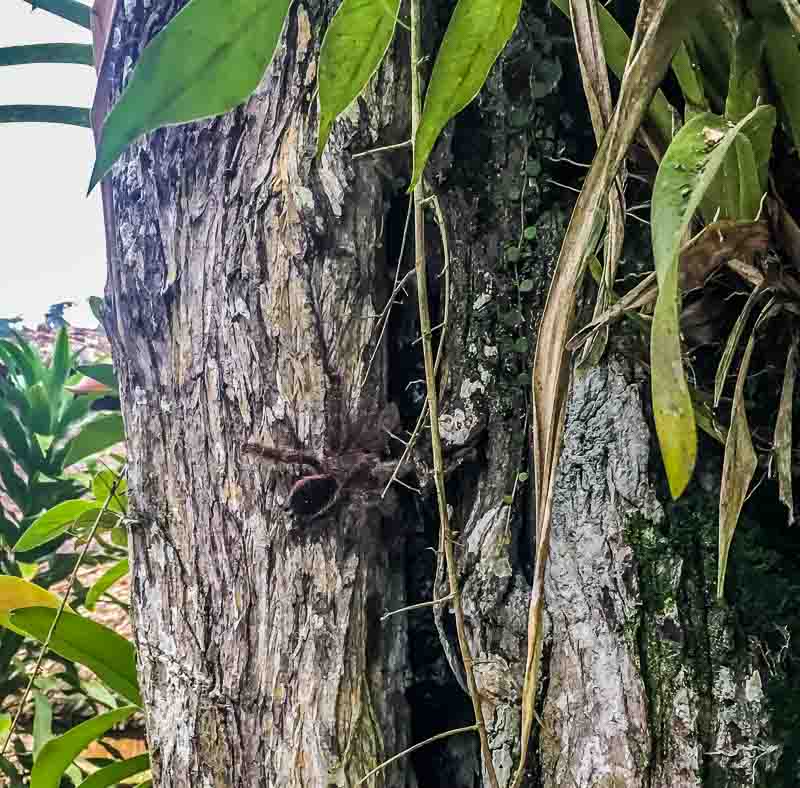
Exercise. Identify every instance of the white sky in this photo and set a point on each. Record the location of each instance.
(51, 235)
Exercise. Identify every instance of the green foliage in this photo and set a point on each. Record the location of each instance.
(117, 771)
(206, 61)
(44, 426)
(352, 50)
(110, 656)
(477, 34)
(57, 755)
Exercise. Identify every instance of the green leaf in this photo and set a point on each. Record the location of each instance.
(105, 581)
(688, 168)
(15, 438)
(106, 481)
(60, 365)
(102, 373)
(14, 486)
(71, 10)
(353, 48)
(205, 62)
(58, 753)
(477, 33)
(44, 113)
(109, 655)
(744, 84)
(21, 361)
(42, 722)
(53, 523)
(783, 62)
(40, 412)
(78, 54)
(97, 435)
(116, 772)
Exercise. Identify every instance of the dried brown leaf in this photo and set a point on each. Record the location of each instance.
(783, 430)
(660, 27)
(738, 469)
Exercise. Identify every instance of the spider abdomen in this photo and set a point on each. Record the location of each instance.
(312, 494)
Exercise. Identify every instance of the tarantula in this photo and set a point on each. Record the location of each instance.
(362, 468)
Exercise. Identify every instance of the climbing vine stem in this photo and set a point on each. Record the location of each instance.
(433, 406)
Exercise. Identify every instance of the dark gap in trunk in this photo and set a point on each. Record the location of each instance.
(436, 701)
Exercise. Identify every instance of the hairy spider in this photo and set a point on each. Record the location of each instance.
(363, 468)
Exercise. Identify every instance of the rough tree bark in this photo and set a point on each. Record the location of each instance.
(244, 281)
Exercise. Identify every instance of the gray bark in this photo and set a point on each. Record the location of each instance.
(243, 282)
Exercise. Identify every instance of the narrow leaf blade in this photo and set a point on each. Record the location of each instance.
(58, 753)
(352, 50)
(105, 581)
(116, 772)
(477, 33)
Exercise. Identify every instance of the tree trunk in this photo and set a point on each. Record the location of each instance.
(245, 278)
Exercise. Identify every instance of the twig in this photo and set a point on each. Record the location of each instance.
(419, 605)
(373, 151)
(414, 747)
(46, 645)
(433, 407)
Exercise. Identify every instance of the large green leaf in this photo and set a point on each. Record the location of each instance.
(97, 435)
(206, 61)
(79, 54)
(58, 753)
(53, 523)
(477, 33)
(693, 159)
(105, 581)
(352, 50)
(117, 771)
(109, 655)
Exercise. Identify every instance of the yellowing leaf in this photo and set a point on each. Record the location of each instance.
(352, 50)
(693, 159)
(477, 33)
(16, 593)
